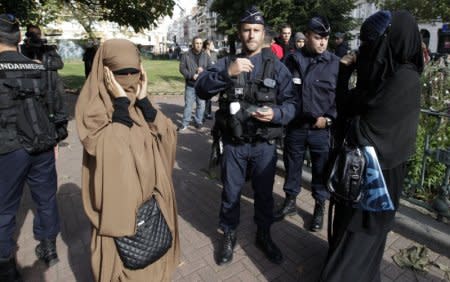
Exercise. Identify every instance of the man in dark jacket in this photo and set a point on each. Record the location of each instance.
(315, 72)
(32, 122)
(192, 64)
(256, 99)
(88, 56)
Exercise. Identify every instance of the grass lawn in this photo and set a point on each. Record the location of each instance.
(164, 77)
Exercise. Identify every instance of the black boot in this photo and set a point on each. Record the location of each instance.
(228, 243)
(317, 221)
(8, 270)
(46, 251)
(288, 208)
(264, 243)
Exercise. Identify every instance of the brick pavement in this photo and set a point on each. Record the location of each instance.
(198, 199)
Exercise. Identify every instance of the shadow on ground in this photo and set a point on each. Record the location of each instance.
(73, 243)
(198, 198)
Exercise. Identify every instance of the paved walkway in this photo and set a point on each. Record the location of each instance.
(198, 199)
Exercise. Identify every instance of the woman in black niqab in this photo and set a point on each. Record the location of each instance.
(386, 102)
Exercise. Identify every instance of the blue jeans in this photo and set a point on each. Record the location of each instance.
(296, 142)
(189, 97)
(39, 172)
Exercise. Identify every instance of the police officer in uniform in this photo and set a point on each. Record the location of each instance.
(315, 72)
(26, 156)
(256, 100)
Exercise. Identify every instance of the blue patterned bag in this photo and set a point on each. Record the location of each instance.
(374, 193)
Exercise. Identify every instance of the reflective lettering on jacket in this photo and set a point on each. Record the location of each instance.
(21, 66)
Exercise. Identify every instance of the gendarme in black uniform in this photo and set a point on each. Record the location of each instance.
(31, 123)
(249, 142)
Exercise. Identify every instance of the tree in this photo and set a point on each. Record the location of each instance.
(276, 12)
(228, 16)
(423, 10)
(138, 14)
(32, 12)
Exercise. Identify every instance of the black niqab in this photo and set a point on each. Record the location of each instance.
(405, 41)
(391, 88)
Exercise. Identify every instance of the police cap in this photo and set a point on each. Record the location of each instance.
(252, 16)
(339, 35)
(319, 25)
(9, 23)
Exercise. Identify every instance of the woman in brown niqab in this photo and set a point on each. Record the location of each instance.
(129, 152)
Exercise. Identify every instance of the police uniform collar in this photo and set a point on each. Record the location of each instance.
(325, 56)
(245, 55)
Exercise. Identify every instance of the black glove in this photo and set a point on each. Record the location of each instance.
(147, 109)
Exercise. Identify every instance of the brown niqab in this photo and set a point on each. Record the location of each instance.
(122, 167)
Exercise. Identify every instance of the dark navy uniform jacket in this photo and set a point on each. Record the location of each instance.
(318, 76)
(216, 79)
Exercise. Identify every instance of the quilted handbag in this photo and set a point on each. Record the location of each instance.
(151, 241)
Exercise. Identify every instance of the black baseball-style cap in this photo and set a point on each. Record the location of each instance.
(9, 23)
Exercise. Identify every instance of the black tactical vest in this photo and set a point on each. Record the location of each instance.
(251, 94)
(18, 81)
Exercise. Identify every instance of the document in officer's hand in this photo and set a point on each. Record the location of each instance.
(253, 109)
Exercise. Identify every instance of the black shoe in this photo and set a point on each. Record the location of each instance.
(288, 208)
(198, 125)
(228, 243)
(46, 251)
(8, 270)
(264, 243)
(208, 116)
(317, 221)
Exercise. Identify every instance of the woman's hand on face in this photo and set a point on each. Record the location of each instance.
(142, 87)
(112, 85)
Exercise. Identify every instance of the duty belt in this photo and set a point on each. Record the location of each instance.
(250, 140)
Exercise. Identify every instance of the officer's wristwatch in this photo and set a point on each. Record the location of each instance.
(329, 121)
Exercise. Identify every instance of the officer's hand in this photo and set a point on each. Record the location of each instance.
(240, 65)
(141, 92)
(321, 122)
(264, 114)
(349, 59)
(200, 70)
(112, 85)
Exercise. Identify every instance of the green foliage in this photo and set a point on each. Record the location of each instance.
(137, 14)
(295, 12)
(423, 10)
(39, 12)
(163, 76)
(436, 98)
(73, 74)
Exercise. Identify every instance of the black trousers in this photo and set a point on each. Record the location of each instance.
(39, 172)
(359, 237)
(236, 159)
